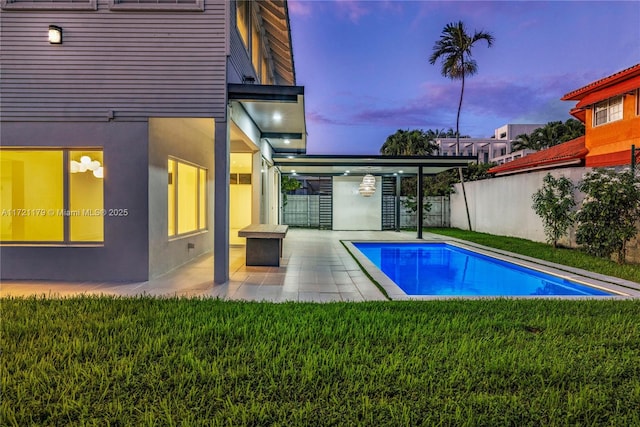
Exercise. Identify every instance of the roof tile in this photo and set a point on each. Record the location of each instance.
(570, 151)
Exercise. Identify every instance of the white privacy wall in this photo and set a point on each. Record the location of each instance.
(351, 211)
(502, 206)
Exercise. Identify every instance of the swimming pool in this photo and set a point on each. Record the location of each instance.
(443, 269)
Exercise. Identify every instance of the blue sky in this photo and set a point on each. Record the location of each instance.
(364, 64)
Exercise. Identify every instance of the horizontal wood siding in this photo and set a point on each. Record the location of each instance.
(239, 60)
(135, 64)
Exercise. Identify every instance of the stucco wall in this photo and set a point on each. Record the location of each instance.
(190, 140)
(124, 254)
(502, 206)
(351, 211)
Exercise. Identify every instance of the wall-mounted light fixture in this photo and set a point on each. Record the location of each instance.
(55, 34)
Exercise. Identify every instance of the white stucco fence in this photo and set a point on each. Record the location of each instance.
(502, 205)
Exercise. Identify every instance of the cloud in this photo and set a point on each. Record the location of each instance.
(354, 9)
(486, 100)
(300, 7)
(323, 119)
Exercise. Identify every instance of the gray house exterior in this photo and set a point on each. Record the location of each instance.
(158, 95)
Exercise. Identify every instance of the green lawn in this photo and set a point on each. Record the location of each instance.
(144, 361)
(565, 256)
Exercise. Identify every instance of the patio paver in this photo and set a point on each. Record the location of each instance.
(315, 267)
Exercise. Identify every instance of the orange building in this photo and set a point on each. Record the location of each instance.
(610, 110)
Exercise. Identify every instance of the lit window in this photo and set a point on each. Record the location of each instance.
(39, 206)
(242, 21)
(86, 196)
(256, 43)
(187, 192)
(608, 111)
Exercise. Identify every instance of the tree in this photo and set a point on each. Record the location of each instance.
(410, 143)
(553, 133)
(288, 184)
(524, 141)
(554, 203)
(610, 211)
(454, 51)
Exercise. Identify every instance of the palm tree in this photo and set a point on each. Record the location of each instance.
(454, 51)
(524, 141)
(409, 143)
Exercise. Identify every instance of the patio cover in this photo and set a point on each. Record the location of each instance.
(277, 111)
(316, 165)
(363, 164)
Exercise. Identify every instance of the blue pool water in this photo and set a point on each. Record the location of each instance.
(442, 269)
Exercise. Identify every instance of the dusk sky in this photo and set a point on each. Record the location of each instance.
(365, 68)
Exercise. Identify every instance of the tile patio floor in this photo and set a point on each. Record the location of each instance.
(315, 267)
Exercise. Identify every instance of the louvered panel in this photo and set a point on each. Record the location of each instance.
(325, 209)
(388, 203)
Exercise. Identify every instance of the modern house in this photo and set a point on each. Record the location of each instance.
(138, 135)
(135, 134)
(610, 110)
(496, 149)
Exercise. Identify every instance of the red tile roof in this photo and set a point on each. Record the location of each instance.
(616, 78)
(568, 153)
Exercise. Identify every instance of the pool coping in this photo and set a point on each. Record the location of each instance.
(624, 289)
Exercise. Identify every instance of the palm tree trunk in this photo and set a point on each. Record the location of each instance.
(464, 192)
(458, 117)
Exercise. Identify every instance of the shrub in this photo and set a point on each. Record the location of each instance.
(554, 204)
(609, 213)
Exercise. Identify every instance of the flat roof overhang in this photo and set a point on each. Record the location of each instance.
(277, 111)
(376, 165)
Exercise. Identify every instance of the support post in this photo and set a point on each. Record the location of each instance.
(398, 188)
(419, 202)
(221, 204)
(633, 158)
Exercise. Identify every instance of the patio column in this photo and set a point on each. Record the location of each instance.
(221, 204)
(398, 189)
(419, 204)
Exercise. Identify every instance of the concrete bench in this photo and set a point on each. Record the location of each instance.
(264, 244)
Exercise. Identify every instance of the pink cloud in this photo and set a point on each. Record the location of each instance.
(300, 7)
(354, 9)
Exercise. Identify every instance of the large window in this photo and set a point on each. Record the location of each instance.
(608, 111)
(51, 196)
(242, 20)
(187, 198)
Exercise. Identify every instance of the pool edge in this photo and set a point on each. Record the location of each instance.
(623, 289)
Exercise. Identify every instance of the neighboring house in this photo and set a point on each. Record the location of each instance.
(610, 110)
(570, 153)
(135, 137)
(488, 150)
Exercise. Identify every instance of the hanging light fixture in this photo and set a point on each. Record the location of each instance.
(367, 186)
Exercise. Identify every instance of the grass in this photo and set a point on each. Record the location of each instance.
(146, 361)
(564, 256)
